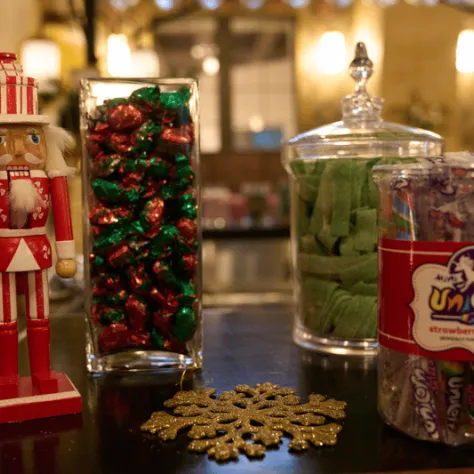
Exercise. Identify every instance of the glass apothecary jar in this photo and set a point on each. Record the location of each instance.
(334, 217)
(141, 224)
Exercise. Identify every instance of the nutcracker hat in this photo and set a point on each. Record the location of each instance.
(18, 94)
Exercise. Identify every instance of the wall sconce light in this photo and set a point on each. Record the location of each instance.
(464, 52)
(331, 53)
(298, 3)
(41, 59)
(118, 56)
(210, 4)
(144, 63)
(165, 5)
(253, 4)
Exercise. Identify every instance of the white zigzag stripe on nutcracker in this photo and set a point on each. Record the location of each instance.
(23, 260)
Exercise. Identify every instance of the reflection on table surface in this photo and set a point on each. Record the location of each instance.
(241, 345)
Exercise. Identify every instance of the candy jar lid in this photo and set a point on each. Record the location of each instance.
(362, 133)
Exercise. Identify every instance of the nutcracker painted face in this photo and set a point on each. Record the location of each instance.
(22, 147)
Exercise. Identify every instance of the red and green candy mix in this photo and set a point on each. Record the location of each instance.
(143, 217)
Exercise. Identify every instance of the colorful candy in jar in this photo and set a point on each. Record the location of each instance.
(425, 329)
(143, 217)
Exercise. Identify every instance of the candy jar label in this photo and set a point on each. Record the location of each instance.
(427, 298)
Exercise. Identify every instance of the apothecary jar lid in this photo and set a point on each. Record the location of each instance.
(362, 133)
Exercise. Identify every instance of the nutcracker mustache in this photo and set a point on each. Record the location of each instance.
(30, 158)
(5, 159)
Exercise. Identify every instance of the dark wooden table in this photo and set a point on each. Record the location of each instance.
(247, 345)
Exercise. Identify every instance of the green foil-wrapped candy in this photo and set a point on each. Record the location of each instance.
(174, 100)
(185, 324)
(111, 315)
(146, 98)
(156, 166)
(113, 192)
(143, 139)
(187, 204)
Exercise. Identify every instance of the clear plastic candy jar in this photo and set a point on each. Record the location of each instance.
(426, 340)
(141, 232)
(334, 206)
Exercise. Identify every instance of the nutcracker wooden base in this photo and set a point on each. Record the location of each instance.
(31, 406)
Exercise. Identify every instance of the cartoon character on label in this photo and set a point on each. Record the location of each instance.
(33, 179)
(456, 304)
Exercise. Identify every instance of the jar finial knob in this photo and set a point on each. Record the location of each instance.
(360, 108)
(361, 68)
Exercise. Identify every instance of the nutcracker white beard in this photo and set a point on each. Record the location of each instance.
(24, 197)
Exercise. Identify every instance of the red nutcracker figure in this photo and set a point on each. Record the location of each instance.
(33, 177)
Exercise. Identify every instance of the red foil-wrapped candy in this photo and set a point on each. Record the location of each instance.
(178, 135)
(162, 324)
(113, 337)
(187, 228)
(153, 232)
(112, 282)
(125, 116)
(152, 213)
(137, 312)
(94, 141)
(101, 128)
(96, 311)
(133, 178)
(120, 142)
(167, 300)
(140, 281)
(152, 187)
(103, 215)
(104, 165)
(121, 256)
(139, 339)
(189, 263)
(163, 271)
(174, 345)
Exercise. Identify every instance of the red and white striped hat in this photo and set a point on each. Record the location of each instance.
(18, 94)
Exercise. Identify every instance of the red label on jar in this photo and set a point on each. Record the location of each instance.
(426, 298)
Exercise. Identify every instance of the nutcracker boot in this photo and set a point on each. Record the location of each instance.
(44, 380)
(8, 360)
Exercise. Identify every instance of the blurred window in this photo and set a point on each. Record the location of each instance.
(245, 72)
(262, 83)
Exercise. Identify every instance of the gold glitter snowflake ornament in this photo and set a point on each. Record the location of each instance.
(248, 420)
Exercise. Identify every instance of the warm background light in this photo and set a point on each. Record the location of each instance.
(211, 65)
(465, 52)
(144, 63)
(41, 59)
(165, 4)
(118, 56)
(331, 56)
(210, 4)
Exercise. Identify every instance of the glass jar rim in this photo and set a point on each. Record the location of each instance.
(426, 166)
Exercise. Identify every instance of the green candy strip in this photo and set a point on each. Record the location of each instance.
(365, 239)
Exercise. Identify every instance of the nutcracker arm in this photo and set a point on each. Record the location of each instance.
(62, 218)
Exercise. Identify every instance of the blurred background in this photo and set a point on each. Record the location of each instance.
(267, 70)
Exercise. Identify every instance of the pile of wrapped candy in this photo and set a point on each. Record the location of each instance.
(426, 344)
(336, 205)
(143, 220)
